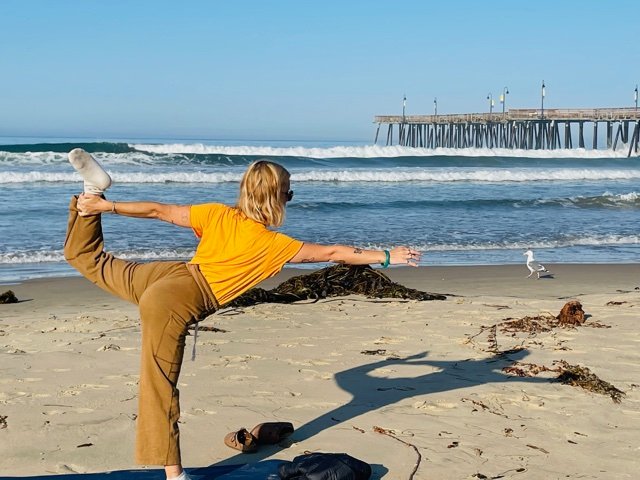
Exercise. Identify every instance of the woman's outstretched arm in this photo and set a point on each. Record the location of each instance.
(177, 214)
(313, 253)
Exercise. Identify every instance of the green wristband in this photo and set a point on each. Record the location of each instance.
(387, 258)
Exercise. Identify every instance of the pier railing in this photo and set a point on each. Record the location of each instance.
(516, 128)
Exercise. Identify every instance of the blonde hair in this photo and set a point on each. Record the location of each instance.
(262, 195)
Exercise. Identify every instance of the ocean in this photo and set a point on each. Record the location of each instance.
(459, 207)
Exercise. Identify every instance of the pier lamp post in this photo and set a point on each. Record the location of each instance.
(435, 104)
(404, 106)
(491, 103)
(503, 98)
(635, 97)
(542, 116)
(542, 101)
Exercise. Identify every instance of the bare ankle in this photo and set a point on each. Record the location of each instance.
(173, 471)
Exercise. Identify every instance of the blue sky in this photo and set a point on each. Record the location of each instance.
(300, 70)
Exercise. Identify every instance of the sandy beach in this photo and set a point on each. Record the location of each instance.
(426, 374)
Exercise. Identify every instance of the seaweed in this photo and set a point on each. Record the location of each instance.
(8, 297)
(334, 281)
(374, 352)
(567, 374)
(582, 377)
(530, 325)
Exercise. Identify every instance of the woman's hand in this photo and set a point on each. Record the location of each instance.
(92, 205)
(404, 256)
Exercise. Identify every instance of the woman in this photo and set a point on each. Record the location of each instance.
(236, 251)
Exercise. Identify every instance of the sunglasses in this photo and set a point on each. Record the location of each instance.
(289, 195)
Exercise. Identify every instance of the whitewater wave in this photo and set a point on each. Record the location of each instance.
(607, 199)
(463, 175)
(596, 240)
(396, 175)
(56, 256)
(372, 151)
(325, 151)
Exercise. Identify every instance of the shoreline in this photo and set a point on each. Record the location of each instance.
(469, 279)
(428, 373)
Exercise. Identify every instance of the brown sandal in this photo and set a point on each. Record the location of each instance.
(271, 432)
(241, 440)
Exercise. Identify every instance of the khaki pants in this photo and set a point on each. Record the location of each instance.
(171, 296)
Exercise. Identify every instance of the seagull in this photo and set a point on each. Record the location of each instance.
(532, 265)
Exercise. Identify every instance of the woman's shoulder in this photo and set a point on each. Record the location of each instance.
(212, 208)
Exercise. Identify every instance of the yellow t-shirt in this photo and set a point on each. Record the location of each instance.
(236, 253)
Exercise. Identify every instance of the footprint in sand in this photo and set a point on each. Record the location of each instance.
(93, 386)
(241, 358)
(307, 363)
(389, 341)
(315, 375)
(434, 406)
(200, 411)
(263, 393)
(70, 393)
(69, 468)
(240, 378)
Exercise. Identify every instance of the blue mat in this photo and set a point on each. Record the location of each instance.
(267, 470)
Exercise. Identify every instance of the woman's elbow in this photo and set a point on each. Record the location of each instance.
(336, 255)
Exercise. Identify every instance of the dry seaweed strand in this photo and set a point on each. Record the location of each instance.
(334, 281)
(510, 325)
(521, 369)
(492, 339)
(530, 325)
(384, 431)
(380, 351)
(3, 421)
(595, 324)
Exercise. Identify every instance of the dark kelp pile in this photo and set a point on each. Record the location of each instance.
(8, 297)
(334, 281)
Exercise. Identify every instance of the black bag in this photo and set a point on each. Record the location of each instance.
(325, 466)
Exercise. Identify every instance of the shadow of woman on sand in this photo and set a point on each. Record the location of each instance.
(368, 393)
(371, 392)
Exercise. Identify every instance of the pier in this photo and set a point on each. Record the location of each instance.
(527, 129)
